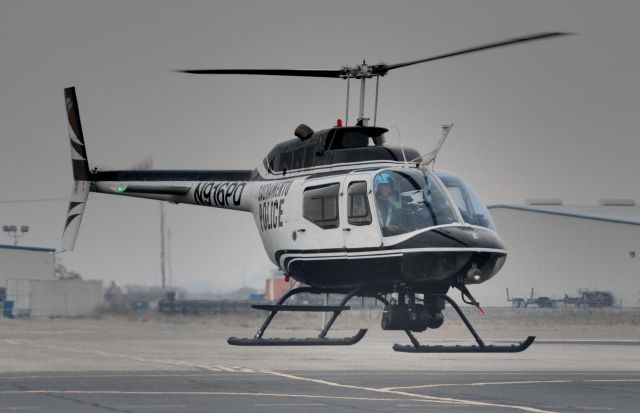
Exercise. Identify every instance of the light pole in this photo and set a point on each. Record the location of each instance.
(12, 231)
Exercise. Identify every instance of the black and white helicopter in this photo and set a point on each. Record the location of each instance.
(341, 212)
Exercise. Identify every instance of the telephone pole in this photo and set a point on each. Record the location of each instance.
(162, 247)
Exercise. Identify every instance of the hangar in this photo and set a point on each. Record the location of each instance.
(558, 249)
(28, 281)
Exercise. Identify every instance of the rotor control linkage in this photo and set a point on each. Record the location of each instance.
(321, 340)
(481, 347)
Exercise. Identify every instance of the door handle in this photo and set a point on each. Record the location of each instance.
(301, 230)
(346, 229)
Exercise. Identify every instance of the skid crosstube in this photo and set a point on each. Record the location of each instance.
(315, 341)
(486, 348)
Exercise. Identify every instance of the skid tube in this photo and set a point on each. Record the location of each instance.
(321, 340)
(481, 347)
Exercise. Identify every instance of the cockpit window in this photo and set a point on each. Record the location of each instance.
(358, 204)
(408, 200)
(472, 209)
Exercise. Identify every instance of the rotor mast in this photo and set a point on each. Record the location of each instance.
(363, 72)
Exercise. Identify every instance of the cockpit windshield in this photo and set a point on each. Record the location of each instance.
(409, 199)
(472, 209)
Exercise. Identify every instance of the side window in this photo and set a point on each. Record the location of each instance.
(320, 205)
(358, 210)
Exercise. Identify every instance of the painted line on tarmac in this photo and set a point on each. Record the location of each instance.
(593, 342)
(440, 400)
(196, 393)
(288, 404)
(150, 406)
(181, 363)
(462, 373)
(610, 380)
(489, 383)
(500, 383)
(118, 375)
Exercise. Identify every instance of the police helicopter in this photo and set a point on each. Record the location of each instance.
(340, 212)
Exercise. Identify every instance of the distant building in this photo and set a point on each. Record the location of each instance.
(26, 263)
(559, 249)
(28, 280)
(275, 288)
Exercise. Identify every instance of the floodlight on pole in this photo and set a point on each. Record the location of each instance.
(12, 232)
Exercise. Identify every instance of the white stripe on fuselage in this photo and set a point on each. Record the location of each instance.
(319, 256)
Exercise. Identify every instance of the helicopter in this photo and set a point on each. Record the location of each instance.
(341, 212)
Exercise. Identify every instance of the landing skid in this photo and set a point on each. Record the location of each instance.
(481, 347)
(321, 340)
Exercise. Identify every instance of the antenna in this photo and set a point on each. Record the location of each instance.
(429, 159)
(446, 128)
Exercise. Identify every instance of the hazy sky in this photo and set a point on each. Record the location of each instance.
(558, 118)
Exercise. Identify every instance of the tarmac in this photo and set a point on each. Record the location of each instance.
(122, 365)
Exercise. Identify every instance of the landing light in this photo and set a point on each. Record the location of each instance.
(474, 273)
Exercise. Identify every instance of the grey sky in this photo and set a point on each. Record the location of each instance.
(558, 118)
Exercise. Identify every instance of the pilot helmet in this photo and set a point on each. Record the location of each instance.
(383, 178)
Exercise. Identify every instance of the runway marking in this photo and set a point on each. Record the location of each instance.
(467, 373)
(196, 393)
(100, 376)
(611, 380)
(16, 408)
(421, 405)
(497, 383)
(441, 400)
(288, 404)
(149, 406)
(490, 383)
(183, 363)
(321, 374)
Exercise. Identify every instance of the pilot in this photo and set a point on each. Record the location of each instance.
(389, 216)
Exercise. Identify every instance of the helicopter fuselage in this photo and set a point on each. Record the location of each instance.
(322, 220)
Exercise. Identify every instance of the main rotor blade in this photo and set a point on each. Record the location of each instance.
(382, 69)
(269, 72)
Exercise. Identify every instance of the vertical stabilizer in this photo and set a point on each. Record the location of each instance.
(81, 174)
